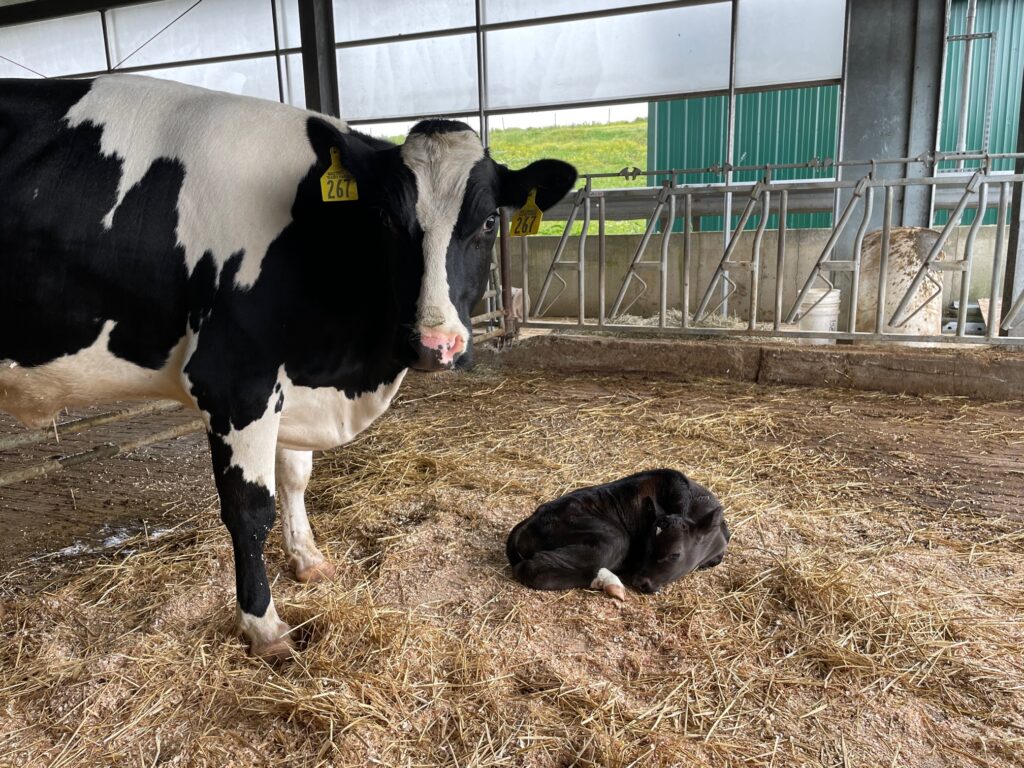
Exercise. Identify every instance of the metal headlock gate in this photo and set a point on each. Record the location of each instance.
(670, 205)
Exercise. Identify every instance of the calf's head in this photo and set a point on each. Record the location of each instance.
(438, 197)
(683, 539)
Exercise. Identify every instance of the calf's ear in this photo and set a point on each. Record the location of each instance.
(705, 513)
(551, 178)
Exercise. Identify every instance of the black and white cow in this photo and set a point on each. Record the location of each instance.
(650, 528)
(160, 240)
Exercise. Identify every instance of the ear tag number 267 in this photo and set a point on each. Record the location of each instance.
(526, 221)
(337, 184)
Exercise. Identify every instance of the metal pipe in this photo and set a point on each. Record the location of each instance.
(35, 436)
(663, 266)
(731, 243)
(602, 261)
(780, 259)
(755, 260)
(277, 51)
(858, 192)
(652, 222)
(505, 268)
(898, 319)
(687, 227)
(858, 244)
(995, 297)
(581, 252)
(965, 275)
(103, 451)
(556, 259)
(524, 263)
(883, 261)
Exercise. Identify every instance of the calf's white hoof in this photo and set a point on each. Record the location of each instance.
(609, 583)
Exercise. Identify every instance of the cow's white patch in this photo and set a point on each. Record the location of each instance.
(293, 471)
(605, 578)
(262, 631)
(91, 375)
(252, 446)
(441, 163)
(237, 195)
(322, 417)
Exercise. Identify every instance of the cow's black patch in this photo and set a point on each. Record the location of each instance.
(65, 274)
(247, 510)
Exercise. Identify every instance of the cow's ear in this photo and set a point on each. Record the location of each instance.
(356, 152)
(551, 178)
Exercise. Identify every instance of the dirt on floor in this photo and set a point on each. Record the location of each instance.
(869, 611)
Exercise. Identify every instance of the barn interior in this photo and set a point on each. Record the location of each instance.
(808, 296)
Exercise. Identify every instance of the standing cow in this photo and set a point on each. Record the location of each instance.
(262, 264)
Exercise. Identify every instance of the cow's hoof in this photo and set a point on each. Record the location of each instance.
(322, 571)
(275, 651)
(615, 591)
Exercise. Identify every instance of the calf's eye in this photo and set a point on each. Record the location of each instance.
(491, 223)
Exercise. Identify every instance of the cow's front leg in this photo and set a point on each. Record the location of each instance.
(293, 471)
(243, 466)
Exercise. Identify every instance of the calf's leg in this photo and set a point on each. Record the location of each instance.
(293, 471)
(574, 566)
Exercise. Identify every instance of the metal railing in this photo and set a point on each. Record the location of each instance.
(671, 210)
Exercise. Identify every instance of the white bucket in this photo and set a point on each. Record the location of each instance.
(819, 311)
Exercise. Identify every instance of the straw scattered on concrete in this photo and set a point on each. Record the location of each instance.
(870, 610)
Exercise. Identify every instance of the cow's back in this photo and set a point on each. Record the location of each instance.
(123, 200)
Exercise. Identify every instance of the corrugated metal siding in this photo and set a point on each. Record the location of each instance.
(1006, 19)
(780, 126)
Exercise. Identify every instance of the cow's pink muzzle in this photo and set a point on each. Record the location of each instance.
(448, 345)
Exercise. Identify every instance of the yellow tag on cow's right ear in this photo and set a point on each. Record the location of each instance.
(526, 221)
(337, 184)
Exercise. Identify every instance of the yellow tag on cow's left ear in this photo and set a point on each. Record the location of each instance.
(526, 221)
(337, 184)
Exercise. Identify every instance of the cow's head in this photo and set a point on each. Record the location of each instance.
(689, 535)
(437, 197)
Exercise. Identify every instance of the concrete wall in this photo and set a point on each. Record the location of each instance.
(803, 246)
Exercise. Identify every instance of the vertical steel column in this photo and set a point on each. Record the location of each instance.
(319, 65)
(481, 73)
(106, 38)
(277, 51)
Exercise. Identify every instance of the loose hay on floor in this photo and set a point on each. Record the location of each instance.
(869, 611)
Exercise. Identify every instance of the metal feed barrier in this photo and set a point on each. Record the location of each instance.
(674, 205)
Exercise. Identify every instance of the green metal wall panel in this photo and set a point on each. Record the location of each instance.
(1005, 18)
(780, 126)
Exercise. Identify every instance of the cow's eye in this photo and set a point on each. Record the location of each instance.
(670, 558)
(491, 223)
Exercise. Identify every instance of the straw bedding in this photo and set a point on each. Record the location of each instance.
(868, 612)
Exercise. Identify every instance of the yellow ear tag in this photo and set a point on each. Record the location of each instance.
(526, 221)
(337, 184)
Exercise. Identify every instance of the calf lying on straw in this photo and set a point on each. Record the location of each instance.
(651, 528)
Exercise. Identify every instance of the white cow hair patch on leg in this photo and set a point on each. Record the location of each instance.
(609, 583)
